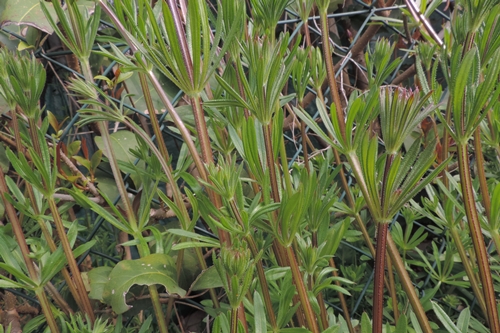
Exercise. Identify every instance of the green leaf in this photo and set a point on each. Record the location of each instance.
(120, 222)
(259, 314)
(402, 325)
(19, 276)
(445, 319)
(366, 325)
(414, 321)
(335, 235)
(25, 12)
(98, 278)
(152, 269)
(463, 320)
(121, 144)
(461, 80)
(206, 241)
(4, 161)
(332, 329)
(209, 278)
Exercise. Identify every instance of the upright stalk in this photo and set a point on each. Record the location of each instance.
(407, 284)
(21, 240)
(75, 283)
(73, 267)
(468, 268)
(155, 299)
(393, 251)
(327, 54)
(163, 155)
(477, 236)
(481, 175)
(301, 290)
(378, 283)
(41, 222)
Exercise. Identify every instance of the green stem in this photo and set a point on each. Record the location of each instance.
(76, 283)
(481, 175)
(270, 162)
(153, 292)
(49, 316)
(41, 222)
(392, 289)
(468, 268)
(284, 167)
(407, 284)
(110, 154)
(263, 283)
(327, 54)
(477, 237)
(234, 320)
(73, 267)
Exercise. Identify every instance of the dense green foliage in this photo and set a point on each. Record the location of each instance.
(173, 200)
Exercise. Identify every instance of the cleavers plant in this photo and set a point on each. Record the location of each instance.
(231, 224)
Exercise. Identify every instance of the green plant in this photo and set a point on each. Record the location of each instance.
(230, 223)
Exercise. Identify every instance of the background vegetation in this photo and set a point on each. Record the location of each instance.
(249, 166)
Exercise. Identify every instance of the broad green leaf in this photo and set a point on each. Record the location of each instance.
(152, 269)
(98, 278)
(25, 12)
(121, 144)
(209, 278)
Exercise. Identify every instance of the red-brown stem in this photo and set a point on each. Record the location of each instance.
(73, 267)
(477, 237)
(312, 325)
(23, 246)
(378, 283)
(207, 155)
(382, 228)
(327, 54)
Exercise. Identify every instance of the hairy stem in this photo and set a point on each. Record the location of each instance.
(466, 261)
(73, 267)
(23, 246)
(301, 290)
(408, 285)
(477, 237)
(378, 283)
